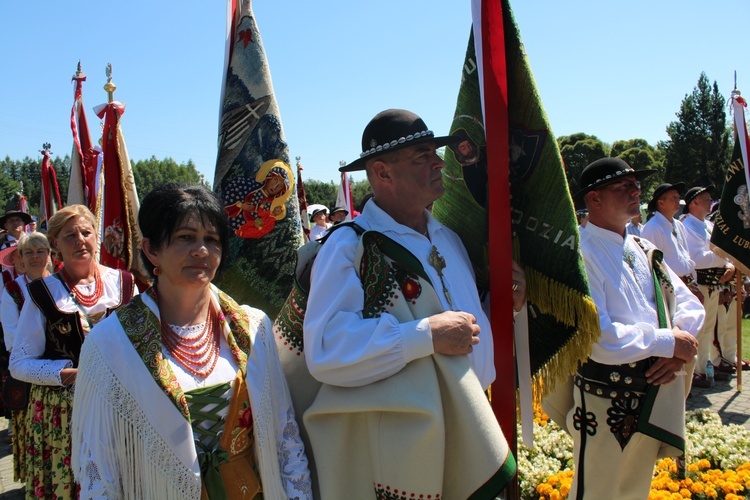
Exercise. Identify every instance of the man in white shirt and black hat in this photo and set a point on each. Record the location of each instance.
(712, 273)
(629, 396)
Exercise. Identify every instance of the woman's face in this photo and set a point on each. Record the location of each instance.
(192, 256)
(77, 241)
(35, 259)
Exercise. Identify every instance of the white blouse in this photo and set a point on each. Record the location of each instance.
(9, 312)
(26, 362)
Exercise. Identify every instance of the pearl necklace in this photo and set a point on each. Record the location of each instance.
(198, 354)
(86, 300)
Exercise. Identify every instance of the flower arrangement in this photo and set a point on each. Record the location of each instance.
(718, 462)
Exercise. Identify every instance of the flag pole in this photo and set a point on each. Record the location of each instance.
(739, 299)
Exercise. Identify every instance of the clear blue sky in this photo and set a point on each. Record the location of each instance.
(618, 70)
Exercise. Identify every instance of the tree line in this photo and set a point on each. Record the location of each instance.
(697, 153)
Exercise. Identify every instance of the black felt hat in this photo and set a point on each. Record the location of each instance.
(317, 211)
(695, 191)
(391, 130)
(15, 213)
(661, 190)
(607, 170)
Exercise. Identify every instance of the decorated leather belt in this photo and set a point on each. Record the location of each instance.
(614, 381)
(710, 276)
(687, 279)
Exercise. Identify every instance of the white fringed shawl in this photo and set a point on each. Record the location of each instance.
(128, 435)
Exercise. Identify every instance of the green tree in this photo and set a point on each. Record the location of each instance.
(698, 148)
(640, 155)
(323, 193)
(578, 150)
(152, 172)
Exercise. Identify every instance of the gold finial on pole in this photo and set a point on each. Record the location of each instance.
(110, 87)
(298, 158)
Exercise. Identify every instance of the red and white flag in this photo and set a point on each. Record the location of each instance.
(50, 202)
(118, 203)
(83, 184)
(344, 197)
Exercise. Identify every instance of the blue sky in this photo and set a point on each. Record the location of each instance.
(618, 70)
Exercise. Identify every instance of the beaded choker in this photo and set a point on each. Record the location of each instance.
(198, 354)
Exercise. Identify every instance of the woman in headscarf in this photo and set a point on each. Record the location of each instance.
(195, 404)
(34, 251)
(62, 309)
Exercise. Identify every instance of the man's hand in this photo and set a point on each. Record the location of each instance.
(519, 287)
(664, 371)
(728, 273)
(454, 332)
(685, 345)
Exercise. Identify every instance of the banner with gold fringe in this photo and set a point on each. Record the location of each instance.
(563, 322)
(118, 205)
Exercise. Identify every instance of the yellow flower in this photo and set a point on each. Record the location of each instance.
(697, 487)
(685, 493)
(711, 492)
(692, 467)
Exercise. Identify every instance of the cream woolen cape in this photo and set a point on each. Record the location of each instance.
(427, 430)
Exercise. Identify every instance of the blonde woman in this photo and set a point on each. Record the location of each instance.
(34, 251)
(62, 309)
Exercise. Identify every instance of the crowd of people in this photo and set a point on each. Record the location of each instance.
(179, 392)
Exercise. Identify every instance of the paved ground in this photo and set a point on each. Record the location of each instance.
(733, 406)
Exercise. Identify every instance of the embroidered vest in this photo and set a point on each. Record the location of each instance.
(14, 290)
(63, 331)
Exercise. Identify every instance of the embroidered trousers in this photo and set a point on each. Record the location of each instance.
(602, 468)
(726, 333)
(706, 334)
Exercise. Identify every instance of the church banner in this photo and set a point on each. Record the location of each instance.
(253, 176)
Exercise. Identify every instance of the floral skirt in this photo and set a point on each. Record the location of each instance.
(18, 421)
(48, 472)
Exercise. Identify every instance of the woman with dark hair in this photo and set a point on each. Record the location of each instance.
(51, 329)
(195, 402)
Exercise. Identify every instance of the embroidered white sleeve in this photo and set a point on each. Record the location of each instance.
(292, 460)
(279, 448)
(28, 347)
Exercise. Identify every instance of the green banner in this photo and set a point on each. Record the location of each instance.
(563, 321)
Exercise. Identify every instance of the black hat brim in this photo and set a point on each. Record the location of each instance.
(679, 187)
(23, 215)
(710, 188)
(359, 163)
(639, 175)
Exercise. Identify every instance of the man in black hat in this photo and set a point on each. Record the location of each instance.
(338, 214)
(319, 218)
(713, 272)
(400, 325)
(629, 396)
(14, 223)
(667, 233)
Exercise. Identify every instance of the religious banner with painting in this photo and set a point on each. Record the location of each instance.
(253, 176)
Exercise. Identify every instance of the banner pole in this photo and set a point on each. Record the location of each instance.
(739, 299)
